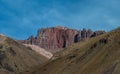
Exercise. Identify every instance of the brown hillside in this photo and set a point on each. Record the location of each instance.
(99, 55)
(54, 39)
(15, 57)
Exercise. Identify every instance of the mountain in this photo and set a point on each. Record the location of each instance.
(55, 38)
(15, 57)
(98, 55)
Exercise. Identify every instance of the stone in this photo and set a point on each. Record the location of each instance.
(58, 37)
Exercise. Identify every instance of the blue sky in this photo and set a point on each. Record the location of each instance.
(22, 18)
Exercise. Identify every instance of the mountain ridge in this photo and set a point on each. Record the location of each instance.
(98, 55)
(15, 57)
(54, 39)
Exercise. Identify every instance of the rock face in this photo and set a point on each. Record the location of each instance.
(59, 37)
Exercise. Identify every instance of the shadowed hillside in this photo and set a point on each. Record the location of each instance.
(15, 57)
(98, 55)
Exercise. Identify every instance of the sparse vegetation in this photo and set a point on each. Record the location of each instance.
(98, 55)
(1, 46)
(10, 50)
(16, 58)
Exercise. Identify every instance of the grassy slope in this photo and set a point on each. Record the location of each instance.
(15, 57)
(99, 55)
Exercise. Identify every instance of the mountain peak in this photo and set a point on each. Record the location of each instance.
(2, 37)
(56, 38)
(11, 53)
(61, 27)
(2, 34)
(98, 55)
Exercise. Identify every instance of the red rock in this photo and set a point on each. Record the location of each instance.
(59, 37)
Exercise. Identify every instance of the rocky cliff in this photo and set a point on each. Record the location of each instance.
(98, 55)
(55, 38)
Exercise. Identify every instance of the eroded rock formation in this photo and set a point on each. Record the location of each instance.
(59, 37)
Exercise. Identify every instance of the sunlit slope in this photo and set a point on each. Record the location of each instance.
(98, 55)
(40, 50)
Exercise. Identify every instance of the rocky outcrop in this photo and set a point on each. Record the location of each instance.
(59, 37)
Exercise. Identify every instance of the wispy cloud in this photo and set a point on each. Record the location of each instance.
(20, 18)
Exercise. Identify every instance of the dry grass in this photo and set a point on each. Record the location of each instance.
(99, 55)
(15, 57)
